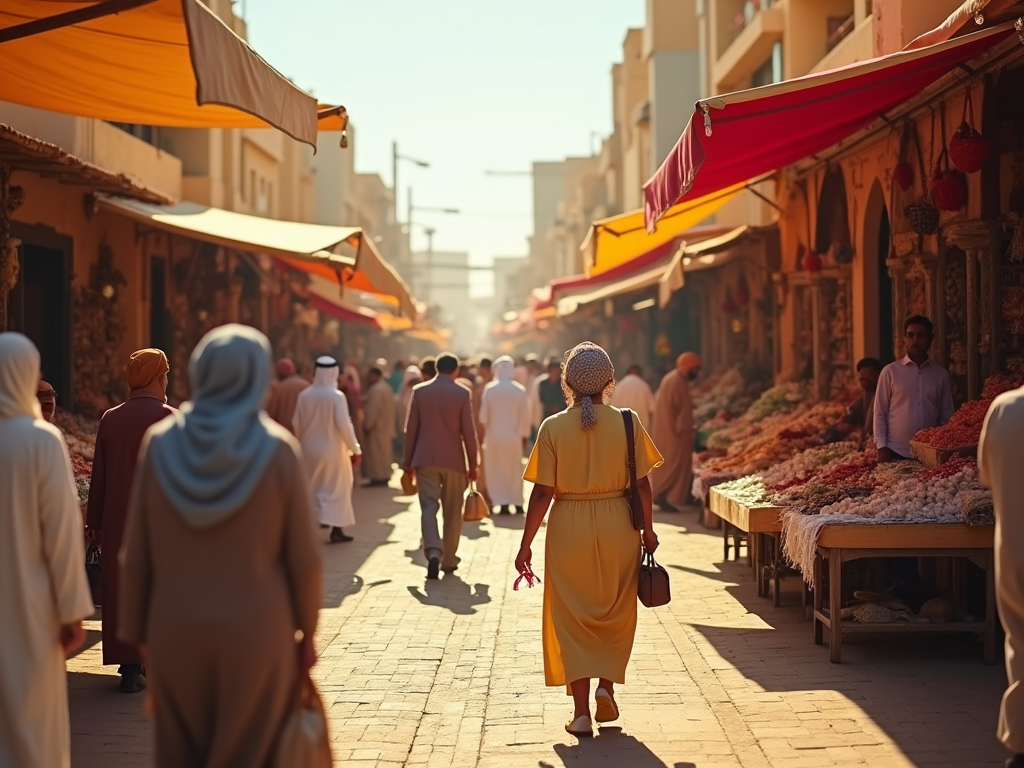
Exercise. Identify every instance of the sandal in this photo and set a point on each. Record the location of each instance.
(581, 726)
(607, 709)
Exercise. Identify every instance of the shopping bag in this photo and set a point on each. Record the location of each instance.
(475, 508)
(304, 741)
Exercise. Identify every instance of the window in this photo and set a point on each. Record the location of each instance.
(771, 71)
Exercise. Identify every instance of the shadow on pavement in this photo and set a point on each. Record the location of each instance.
(374, 509)
(92, 639)
(452, 593)
(511, 522)
(930, 694)
(612, 748)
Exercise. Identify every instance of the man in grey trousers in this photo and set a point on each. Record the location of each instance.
(441, 452)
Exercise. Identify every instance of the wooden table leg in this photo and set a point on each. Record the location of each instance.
(835, 605)
(990, 609)
(776, 597)
(725, 539)
(817, 604)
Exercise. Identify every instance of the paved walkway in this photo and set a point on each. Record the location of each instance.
(448, 673)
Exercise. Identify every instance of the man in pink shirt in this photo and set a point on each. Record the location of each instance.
(913, 393)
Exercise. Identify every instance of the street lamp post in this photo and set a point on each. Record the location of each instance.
(395, 157)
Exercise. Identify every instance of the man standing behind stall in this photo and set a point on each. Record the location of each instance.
(117, 450)
(999, 467)
(674, 435)
(913, 393)
(861, 413)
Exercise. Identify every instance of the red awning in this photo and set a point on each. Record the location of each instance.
(337, 311)
(742, 135)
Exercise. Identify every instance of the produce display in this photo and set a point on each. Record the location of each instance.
(964, 429)
(80, 435)
(719, 399)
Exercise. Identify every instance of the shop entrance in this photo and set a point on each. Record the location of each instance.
(879, 323)
(40, 303)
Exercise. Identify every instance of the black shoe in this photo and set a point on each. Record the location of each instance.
(377, 484)
(1017, 761)
(504, 510)
(433, 567)
(520, 511)
(338, 536)
(132, 683)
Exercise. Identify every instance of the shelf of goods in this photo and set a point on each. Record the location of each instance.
(836, 504)
(80, 435)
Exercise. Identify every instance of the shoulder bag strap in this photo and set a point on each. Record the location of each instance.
(634, 491)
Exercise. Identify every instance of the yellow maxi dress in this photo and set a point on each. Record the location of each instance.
(592, 555)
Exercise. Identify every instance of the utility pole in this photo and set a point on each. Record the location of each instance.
(430, 262)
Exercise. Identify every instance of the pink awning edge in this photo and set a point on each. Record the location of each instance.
(739, 136)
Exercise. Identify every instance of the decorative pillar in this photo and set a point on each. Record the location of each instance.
(973, 384)
(11, 199)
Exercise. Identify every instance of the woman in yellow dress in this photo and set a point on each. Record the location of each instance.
(592, 553)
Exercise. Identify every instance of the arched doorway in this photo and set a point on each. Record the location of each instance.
(878, 301)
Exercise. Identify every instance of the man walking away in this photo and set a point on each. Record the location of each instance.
(635, 394)
(329, 448)
(441, 450)
(379, 426)
(44, 594)
(913, 393)
(505, 428)
(284, 393)
(117, 451)
(484, 376)
(674, 434)
(1002, 441)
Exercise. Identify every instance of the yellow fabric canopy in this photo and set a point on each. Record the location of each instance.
(614, 241)
(166, 63)
(313, 248)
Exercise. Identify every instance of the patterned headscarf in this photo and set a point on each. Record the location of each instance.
(587, 372)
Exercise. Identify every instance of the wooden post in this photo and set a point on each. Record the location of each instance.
(816, 339)
(973, 384)
(5, 233)
(835, 605)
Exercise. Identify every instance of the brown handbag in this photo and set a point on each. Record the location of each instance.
(653, 587)
(636, 507)
(474, 508)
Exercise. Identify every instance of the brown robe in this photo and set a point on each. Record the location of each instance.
(117, 451)
(218, 609)
(283, 396)
(673, 433)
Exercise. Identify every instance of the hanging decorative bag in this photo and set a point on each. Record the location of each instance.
(922, 215)
(474, 509)
(949, 187)
(304, 740)
(968, 149)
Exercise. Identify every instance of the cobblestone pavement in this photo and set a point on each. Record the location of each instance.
(448, 673)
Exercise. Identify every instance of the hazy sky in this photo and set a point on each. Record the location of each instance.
(467, 85)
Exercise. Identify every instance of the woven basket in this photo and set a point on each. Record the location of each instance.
(949, 190)
(968, 149)
(923, 217)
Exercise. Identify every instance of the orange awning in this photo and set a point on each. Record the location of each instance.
(313, 248)
(163, 62)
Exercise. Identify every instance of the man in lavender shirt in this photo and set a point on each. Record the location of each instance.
(913, 393)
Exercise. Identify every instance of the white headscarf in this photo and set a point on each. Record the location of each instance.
(210, 456)
(504, 369)
(326, 373)
(19, 377)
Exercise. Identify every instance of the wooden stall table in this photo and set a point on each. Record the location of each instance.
(843, 543)
(763, 526)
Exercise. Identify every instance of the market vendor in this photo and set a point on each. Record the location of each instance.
(914, 393)
(861, 413)
(47, 397)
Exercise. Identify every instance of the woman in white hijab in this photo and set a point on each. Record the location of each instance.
(505, 418)
(324, 427)
(221, 570)
(44, 594)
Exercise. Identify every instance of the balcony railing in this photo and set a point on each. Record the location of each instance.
(750, 9)
(838, 28)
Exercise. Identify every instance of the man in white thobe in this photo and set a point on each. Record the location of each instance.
(44, 594)
(379, 428)
(635, 393)
(324, 428)
(505, 428)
